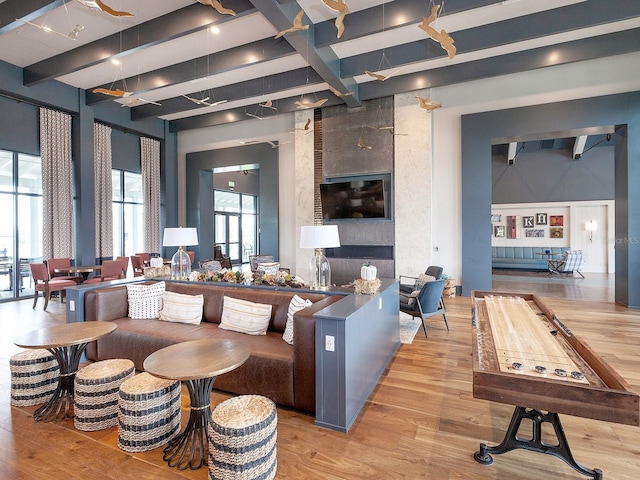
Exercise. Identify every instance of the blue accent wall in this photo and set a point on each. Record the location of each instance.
(199, 185)
(553, 176)
(621, 111)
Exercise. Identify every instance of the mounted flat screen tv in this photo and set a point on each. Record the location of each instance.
(354, 200)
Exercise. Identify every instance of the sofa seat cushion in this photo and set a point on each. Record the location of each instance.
(269, 369)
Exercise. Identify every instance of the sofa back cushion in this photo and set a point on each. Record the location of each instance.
(214, 293)
(245, 317)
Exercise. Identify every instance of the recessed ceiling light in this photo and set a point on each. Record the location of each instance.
(115, 61)
(215, 30)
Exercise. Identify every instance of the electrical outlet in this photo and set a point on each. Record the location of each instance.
(330, 343)
(436, 249)
(72, 305)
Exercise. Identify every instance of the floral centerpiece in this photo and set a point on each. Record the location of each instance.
(224, 275)
(279, 279)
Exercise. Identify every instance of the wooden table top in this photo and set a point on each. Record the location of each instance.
(79, 269)
(197, 359)
(63, 335)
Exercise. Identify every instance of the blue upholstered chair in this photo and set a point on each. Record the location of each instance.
(432, 270)
(425, 303)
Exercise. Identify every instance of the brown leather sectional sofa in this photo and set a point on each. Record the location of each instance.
(282, 372)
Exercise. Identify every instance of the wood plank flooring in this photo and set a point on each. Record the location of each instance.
(420, 422)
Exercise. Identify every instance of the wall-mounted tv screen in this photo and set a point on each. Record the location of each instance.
(357, 199)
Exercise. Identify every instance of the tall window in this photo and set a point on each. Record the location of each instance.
(235, 224)
(21, 228)
(128, 213)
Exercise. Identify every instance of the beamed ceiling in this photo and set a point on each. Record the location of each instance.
(171, 48)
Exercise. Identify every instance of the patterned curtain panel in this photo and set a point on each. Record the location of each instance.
(103, 190)
(57, 184)
(150, 152)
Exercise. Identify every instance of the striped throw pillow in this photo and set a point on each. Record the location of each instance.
(295, 305)
(181, 308)
(244, 316)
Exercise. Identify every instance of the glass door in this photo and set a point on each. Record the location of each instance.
(235, 224)
(21, 230)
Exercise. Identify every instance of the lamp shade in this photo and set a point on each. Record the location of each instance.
(319, 236)
(180, 237)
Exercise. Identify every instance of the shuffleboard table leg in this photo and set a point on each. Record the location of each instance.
(511, 441)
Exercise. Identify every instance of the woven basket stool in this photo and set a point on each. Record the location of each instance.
(148, 412)
(242, 439)
(96, 389)
(34, 377)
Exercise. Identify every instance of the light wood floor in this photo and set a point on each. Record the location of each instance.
(420, 422)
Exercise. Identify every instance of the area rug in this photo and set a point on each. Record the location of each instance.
(408, 328)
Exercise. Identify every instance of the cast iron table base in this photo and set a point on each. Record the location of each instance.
(189, 449)
(68, 359)
(512, 441)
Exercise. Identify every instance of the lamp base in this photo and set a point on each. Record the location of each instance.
(320, 272)
(180, 265)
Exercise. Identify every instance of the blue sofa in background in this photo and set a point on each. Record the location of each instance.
(523, 258)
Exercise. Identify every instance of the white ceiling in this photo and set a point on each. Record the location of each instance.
(24, 45)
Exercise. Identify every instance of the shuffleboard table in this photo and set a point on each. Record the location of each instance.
(523, 355)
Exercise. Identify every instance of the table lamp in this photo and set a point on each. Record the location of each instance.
(180, 262)
(319, 237)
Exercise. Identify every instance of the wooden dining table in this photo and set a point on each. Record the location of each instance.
(84, 270)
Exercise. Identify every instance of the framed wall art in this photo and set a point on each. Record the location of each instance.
(556, 221)
(527, 222)
(556, 232)
(498, 230)
(534, 232)
(541, 218)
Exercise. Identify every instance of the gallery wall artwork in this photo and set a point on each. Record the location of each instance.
(534, 232)
(527, 221)
(556, 220)
(556, 232)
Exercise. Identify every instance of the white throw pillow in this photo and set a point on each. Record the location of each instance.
(295, 305)
(244, 316)
(181, 308)
(145, 301)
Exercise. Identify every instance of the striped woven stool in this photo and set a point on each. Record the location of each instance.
(242, 439)
(34, 377)
(148, 412)
(96, 393)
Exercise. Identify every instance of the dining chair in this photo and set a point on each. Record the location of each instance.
(124, 261)
(425, 303)
(111, 270)
(145, 256)
(54, 263)
(137, 265)
(42, 283)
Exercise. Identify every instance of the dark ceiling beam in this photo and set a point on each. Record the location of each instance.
(611, 44)
(323, 60)
(582, 15)
(285, 105)
(189, 70)
(28, 10)
(173, 25)
(247, 89)
(398, 13)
